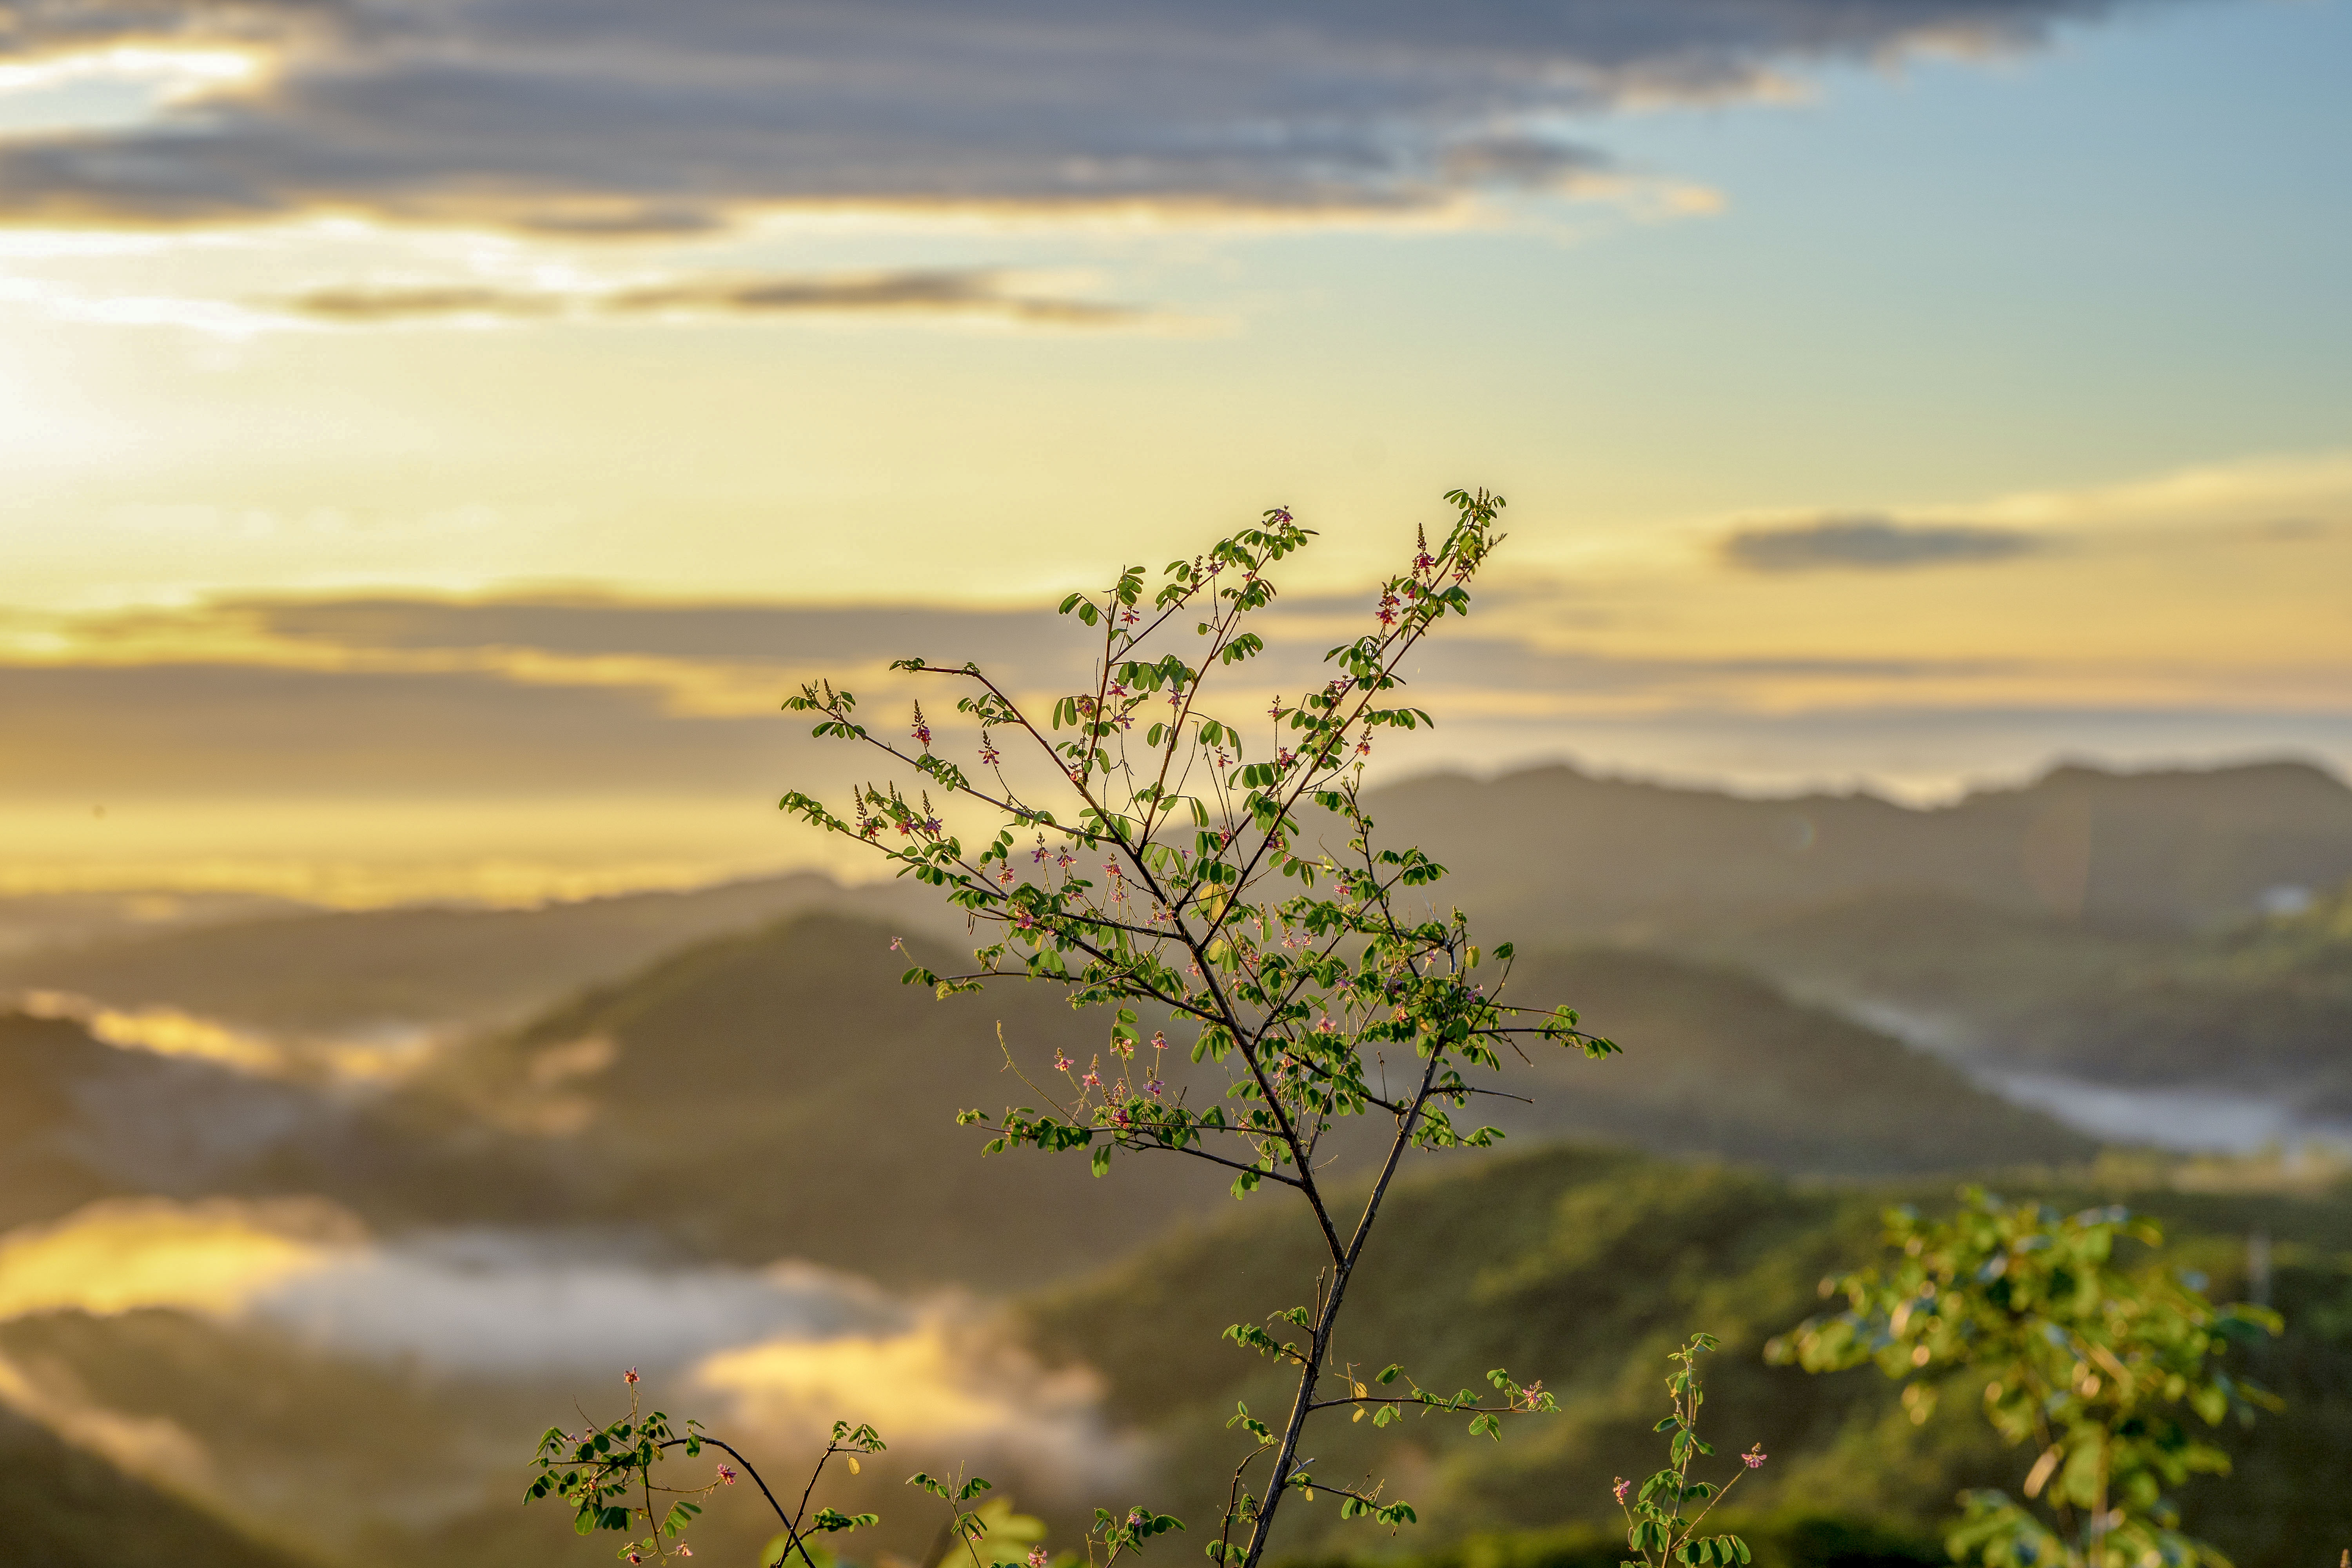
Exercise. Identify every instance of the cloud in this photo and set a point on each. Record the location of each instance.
(948, 1379)
(1869, 543)
(936, 291)
(125, 1254)
(613, 117)
(790, 1346)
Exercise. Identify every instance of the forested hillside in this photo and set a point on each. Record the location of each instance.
(1585, 1267)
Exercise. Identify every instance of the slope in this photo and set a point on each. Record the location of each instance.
(1720, 1065)
(782, 1094)
(2264, 1004)
(69, 1509)
(1582, 1267)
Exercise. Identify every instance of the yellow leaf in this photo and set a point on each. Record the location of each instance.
(1358, 1416)
(853, 1464)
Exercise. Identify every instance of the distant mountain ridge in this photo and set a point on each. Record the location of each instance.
(340, 970)
(1556, 849)
(2090, 922)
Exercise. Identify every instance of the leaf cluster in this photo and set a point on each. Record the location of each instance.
(2094, 1364)
(1660, 1523)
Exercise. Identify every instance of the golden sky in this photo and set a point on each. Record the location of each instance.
(431, 454)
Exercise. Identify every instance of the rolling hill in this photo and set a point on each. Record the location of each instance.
(69, 1509)
(2264, 1003)
(782, 1094)
(1583, 1267)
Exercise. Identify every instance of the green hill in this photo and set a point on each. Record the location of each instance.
(2262, 1003)
(782, 1094)
(1720, 1065)
(69, 1508)
(1583, 1267)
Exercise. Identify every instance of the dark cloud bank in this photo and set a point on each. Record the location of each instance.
(1869, 543)
(623, 116)
(929, 291)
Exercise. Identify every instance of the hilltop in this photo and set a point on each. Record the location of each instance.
(1556, 850)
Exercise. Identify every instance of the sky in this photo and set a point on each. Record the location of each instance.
(435, 435)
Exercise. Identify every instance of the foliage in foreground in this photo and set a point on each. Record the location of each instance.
(1129, 849)
(2093, 1364)
(1299, 996)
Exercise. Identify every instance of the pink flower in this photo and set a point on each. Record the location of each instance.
(1158, 1041)
(684, 1549)
(727, 1474)
(1093, 1079)
(1117, 689)
(630, 1375)
(1274, 710)
(1754, 1458)
(1037, 1558)
(1006, 876)
(1062, 1063)
(989, 755)
(634, 1557)
(1621, 1488)
(1152, 1087)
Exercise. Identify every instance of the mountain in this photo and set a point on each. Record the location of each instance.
(2105, 926)
(2263, 1005)
(1553, 850)
(351, 971)
(69, 1509)
(1583, 1267)
(780, 1093)
(1722, 1065)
